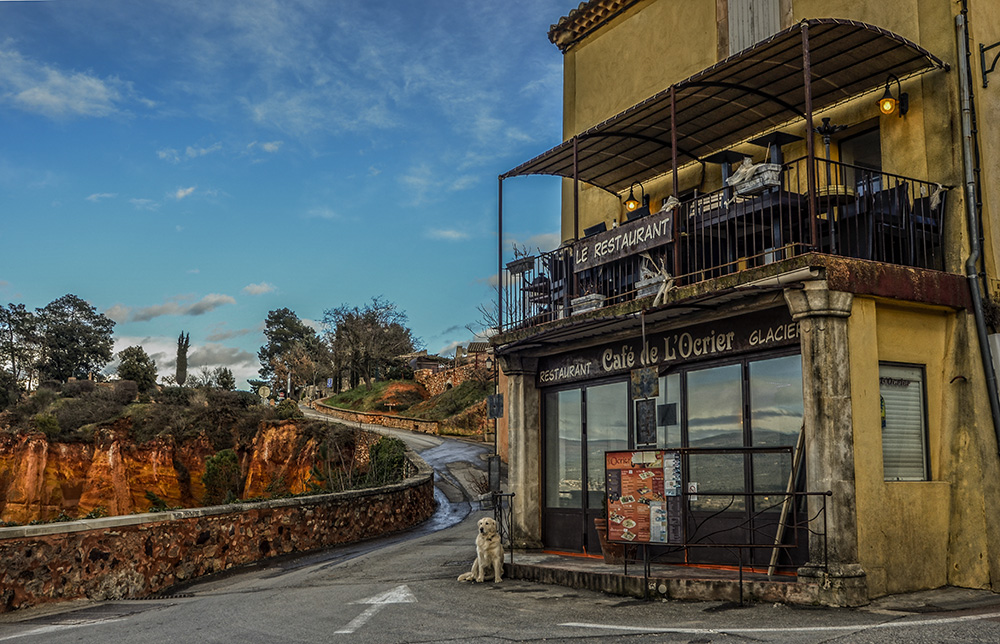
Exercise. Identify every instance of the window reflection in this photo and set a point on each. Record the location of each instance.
(607, 430)
(563, 449)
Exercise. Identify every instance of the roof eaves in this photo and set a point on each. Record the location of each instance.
(584, 20)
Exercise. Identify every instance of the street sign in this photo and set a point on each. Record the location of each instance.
(329, 383)
(494, 406)
(264, 391)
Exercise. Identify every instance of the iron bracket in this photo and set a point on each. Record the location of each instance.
(982, 60)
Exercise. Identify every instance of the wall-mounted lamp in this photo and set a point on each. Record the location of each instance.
(632, 203)
(888, 103)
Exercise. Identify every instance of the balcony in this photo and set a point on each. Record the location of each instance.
(856, 213)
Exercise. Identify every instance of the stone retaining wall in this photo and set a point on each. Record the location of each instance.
(385, 420)
(141, 554)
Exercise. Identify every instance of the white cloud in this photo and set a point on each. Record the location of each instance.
(258, 289)
(98, 196)
(45, 89)
(181, 193)
(219, 336)
(271, 146)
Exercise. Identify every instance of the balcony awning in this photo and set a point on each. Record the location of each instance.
(754, 91)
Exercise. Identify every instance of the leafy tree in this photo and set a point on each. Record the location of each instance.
(18, 340)
(137, 366)
(9, 391)
(283, 330)
(183, 343)
(366, 340)
(224, 379)
(222, 478)
(75, 339)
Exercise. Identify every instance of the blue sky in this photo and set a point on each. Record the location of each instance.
(192, 164)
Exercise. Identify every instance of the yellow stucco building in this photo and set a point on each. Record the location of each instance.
(796, 308)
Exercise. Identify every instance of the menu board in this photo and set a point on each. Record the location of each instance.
(644, 496)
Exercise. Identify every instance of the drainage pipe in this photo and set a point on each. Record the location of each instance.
(972, 218)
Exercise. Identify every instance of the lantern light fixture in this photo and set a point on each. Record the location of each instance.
(632, 204)
(889, 103)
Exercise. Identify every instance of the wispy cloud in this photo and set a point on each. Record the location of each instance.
(100, 196)
(258, 289)
(45, 89)
(193, 152)
(174, 306)
(322, 212)
(144, 204)
(448, 235)
(181, 193)
(219, 336)
(266, 146)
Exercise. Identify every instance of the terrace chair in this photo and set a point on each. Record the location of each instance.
(879, 227)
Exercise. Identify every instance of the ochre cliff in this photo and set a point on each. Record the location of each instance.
(41, 480)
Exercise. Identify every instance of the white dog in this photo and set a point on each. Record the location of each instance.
(489, 553)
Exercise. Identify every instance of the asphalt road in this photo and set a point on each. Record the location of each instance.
(403, 589)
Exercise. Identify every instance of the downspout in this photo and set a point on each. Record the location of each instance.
(972, 218)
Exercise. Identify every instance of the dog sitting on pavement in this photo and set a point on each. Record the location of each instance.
(489, 553)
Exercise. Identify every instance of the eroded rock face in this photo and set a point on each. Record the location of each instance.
(39, 480)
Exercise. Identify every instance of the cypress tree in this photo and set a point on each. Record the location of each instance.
(183, 342)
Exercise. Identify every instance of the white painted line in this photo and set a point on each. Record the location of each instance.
(784, 629)
(398, 595)
(56, 628)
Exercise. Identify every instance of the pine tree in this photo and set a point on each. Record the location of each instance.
(183, 342)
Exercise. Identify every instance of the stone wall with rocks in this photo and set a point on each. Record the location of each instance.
(374, 418)
(436, 382)
(137, 555)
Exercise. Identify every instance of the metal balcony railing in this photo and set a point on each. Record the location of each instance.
(859, 212)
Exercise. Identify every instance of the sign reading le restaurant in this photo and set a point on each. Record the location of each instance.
(630, 238)
(757, 331)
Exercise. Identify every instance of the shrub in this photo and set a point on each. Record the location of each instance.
(222, 478)
(48, 425)
(77, 388)
(386, 461)
(125, 391)
(288, 409)
(174, 396)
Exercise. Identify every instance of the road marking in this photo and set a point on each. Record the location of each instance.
(398, 595)
(784, 629)
(56, 628)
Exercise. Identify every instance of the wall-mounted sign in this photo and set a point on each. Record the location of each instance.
(643, 491)
(762, 330)
(630, 238)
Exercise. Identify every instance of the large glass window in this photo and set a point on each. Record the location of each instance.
(564, 449)
(904, 427)
(607, 430)
(775, 421)
(715, 419)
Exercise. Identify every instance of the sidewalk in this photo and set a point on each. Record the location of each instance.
(705, 584)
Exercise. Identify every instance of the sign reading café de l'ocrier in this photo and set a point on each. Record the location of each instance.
(757, 331)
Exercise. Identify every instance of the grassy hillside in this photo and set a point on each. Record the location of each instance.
(409, 398)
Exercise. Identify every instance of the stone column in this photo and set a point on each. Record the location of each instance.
(823, 315)
(524, 435)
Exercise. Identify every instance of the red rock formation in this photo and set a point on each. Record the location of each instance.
(40, 480)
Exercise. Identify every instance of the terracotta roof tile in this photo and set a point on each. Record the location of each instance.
(585, 19)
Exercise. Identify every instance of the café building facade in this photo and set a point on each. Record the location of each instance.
(800, 329)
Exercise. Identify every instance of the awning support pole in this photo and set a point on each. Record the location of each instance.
(810, 144)
(500, 279)
(673, 163)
